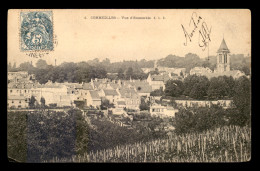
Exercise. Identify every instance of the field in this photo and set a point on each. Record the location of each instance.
(226, 144)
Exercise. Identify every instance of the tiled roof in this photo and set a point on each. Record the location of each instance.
(20, 86)
(227, 73)
(128, 93)
(87, 86)
(121, 102)
(94, 94)
(164, 77)
(110, 92)
(16, 98)
(114, 86)
(49, 86)
(144, 88)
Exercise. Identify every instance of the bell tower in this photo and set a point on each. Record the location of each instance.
(223, 58)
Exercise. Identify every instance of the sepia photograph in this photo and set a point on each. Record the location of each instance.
(129, 85)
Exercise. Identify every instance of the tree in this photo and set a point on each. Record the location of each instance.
(144, 105)
(41, 76)
(174, 88)
(196, 86)
(242, 98)
(158, 92)
(41, 64)
(42, 102)
(106, 104)
(129, 72)
(218, 88)
(32, 102)
(26, 66)
(246, 70)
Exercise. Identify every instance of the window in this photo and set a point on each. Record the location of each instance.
(25, 91)
(20, 101)
(11, 91)
(153, 110)
(12, 101)
(220, 58)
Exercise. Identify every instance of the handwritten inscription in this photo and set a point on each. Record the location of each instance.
(197, 25)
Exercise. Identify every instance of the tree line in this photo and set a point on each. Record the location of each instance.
(202, 88)
(78, 72)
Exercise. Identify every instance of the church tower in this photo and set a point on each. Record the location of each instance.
(223, 58)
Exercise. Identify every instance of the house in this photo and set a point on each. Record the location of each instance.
(87, 86)
(162, 111)
(17, 102)
(120, 105)
(200, 71)
(130, 97)
(158, 81)
(141, 87)
(109, 94)
(93, 99)
(54, 94)
(233, 73)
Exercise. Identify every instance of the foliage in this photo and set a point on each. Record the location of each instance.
(32, 102)
(50, 134)
(226, 144)
(174, 88)
(157, 92)
(144, 105)
(42, 101)
(198, 119)
(106, 104)
(17, 136)
(196, 86)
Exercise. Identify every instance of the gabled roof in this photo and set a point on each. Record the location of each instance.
(164, 77)
(87, 86)
(121, 102)
(114, 85)
(128, 93)
(110, 92)
(232, 73)
(20, 85)
(16, 98)
(144, 88)
(223, 47)
(94, 95)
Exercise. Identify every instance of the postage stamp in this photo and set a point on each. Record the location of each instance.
(36, 31)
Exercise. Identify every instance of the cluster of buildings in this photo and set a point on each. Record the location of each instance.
(223, 65)
(122, 94)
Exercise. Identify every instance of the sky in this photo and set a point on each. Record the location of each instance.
(81, 38)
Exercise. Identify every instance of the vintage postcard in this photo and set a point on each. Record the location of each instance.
(129, 85)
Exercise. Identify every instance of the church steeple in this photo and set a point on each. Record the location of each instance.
(223, 47)
(223, 58)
